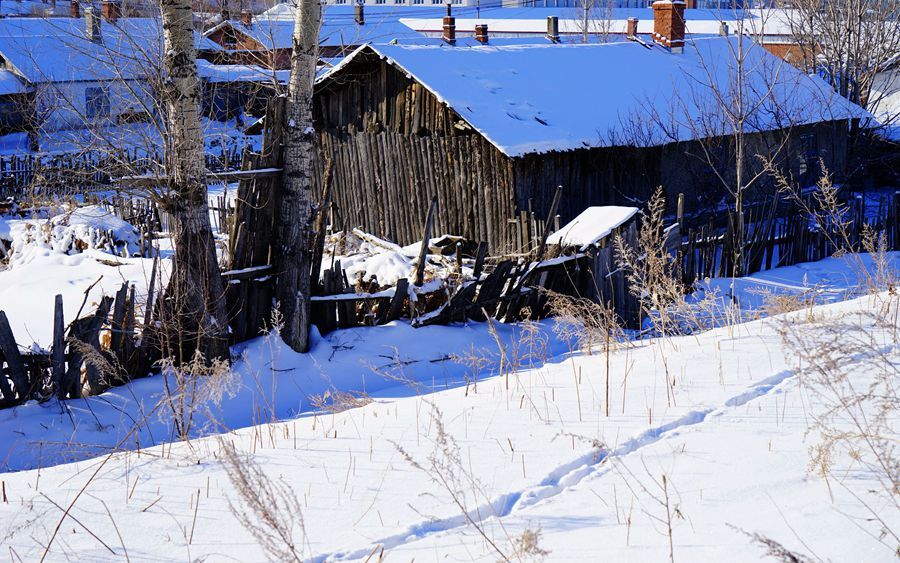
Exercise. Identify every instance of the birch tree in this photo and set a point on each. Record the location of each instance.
(193, 308)
(297, 179)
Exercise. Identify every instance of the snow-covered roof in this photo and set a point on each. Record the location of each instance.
(239, 73)
(540, 98)
(533, 21)
(274, 28)
(59, 50)
(592, 225)
(10, 84)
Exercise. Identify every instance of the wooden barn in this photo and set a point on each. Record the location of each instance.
(492, 131)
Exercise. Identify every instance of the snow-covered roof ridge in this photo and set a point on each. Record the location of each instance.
(541, 98)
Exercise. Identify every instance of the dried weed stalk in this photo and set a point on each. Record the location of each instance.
(446, 469)
(192, 386)
(849, 363)
(649, 268)
(267, 508)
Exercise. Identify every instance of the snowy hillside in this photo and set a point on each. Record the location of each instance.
(703, 448)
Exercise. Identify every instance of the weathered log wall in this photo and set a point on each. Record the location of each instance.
(384, 182)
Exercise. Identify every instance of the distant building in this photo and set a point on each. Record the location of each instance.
(81, 70)
(95, 67)
(265, 39)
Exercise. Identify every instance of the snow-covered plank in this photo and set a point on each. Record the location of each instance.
(592, 225)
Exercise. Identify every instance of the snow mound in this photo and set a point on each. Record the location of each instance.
(85, 228)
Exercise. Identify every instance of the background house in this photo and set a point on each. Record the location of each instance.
(83, 70)
(492, 131)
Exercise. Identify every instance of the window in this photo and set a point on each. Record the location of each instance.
(96, 102)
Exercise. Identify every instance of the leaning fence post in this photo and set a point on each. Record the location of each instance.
(426, 235)
(58, 353)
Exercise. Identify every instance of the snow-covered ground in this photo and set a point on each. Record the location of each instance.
(476, 442)
(467, 472)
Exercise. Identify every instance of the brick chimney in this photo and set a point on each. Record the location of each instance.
(74, 9)
(481, 33)
(247, 17)
(631, 29)
(359, 14)
(449, 27)
(690, 4)
(112, 10)
(553, 28)
(668, 24)
(92, 24)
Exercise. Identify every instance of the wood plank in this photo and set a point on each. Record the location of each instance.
(14, 365)
(58, 351)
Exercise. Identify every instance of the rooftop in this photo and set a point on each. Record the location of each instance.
(540, 98)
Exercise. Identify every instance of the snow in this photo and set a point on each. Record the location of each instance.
(215, 73)
(592, 225)
(533, 449)
(511, 416)
(58, 49)
(511, 94)
(10, 84)
(364, 255)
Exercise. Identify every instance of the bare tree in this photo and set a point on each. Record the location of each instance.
(735, 105)
(849, 43)
(293, 256)
(194, 301)
(595, 17)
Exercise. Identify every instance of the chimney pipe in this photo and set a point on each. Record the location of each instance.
(358, 14)
(668, 24)
(481, 33)
(92, 24)
(247, 17)
(449, 28)
(553, 28)
(112, 10)
(631, 30)
(74, 9)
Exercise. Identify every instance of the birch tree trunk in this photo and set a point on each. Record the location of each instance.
(192, 312)
(293, 251)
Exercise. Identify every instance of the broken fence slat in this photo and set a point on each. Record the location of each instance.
(395, 310)
(14, 364)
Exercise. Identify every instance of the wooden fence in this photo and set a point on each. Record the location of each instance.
(23, 175)
(90, 355)
(784, 239)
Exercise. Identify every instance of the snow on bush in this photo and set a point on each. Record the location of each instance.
(72, 232)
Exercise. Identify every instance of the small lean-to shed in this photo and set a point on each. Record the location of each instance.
(591, 234)
(492, 131)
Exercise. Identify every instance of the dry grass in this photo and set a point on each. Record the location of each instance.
(192, 387)
(649, 268)
(335, 401)
(267, 508)
(848, 363)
